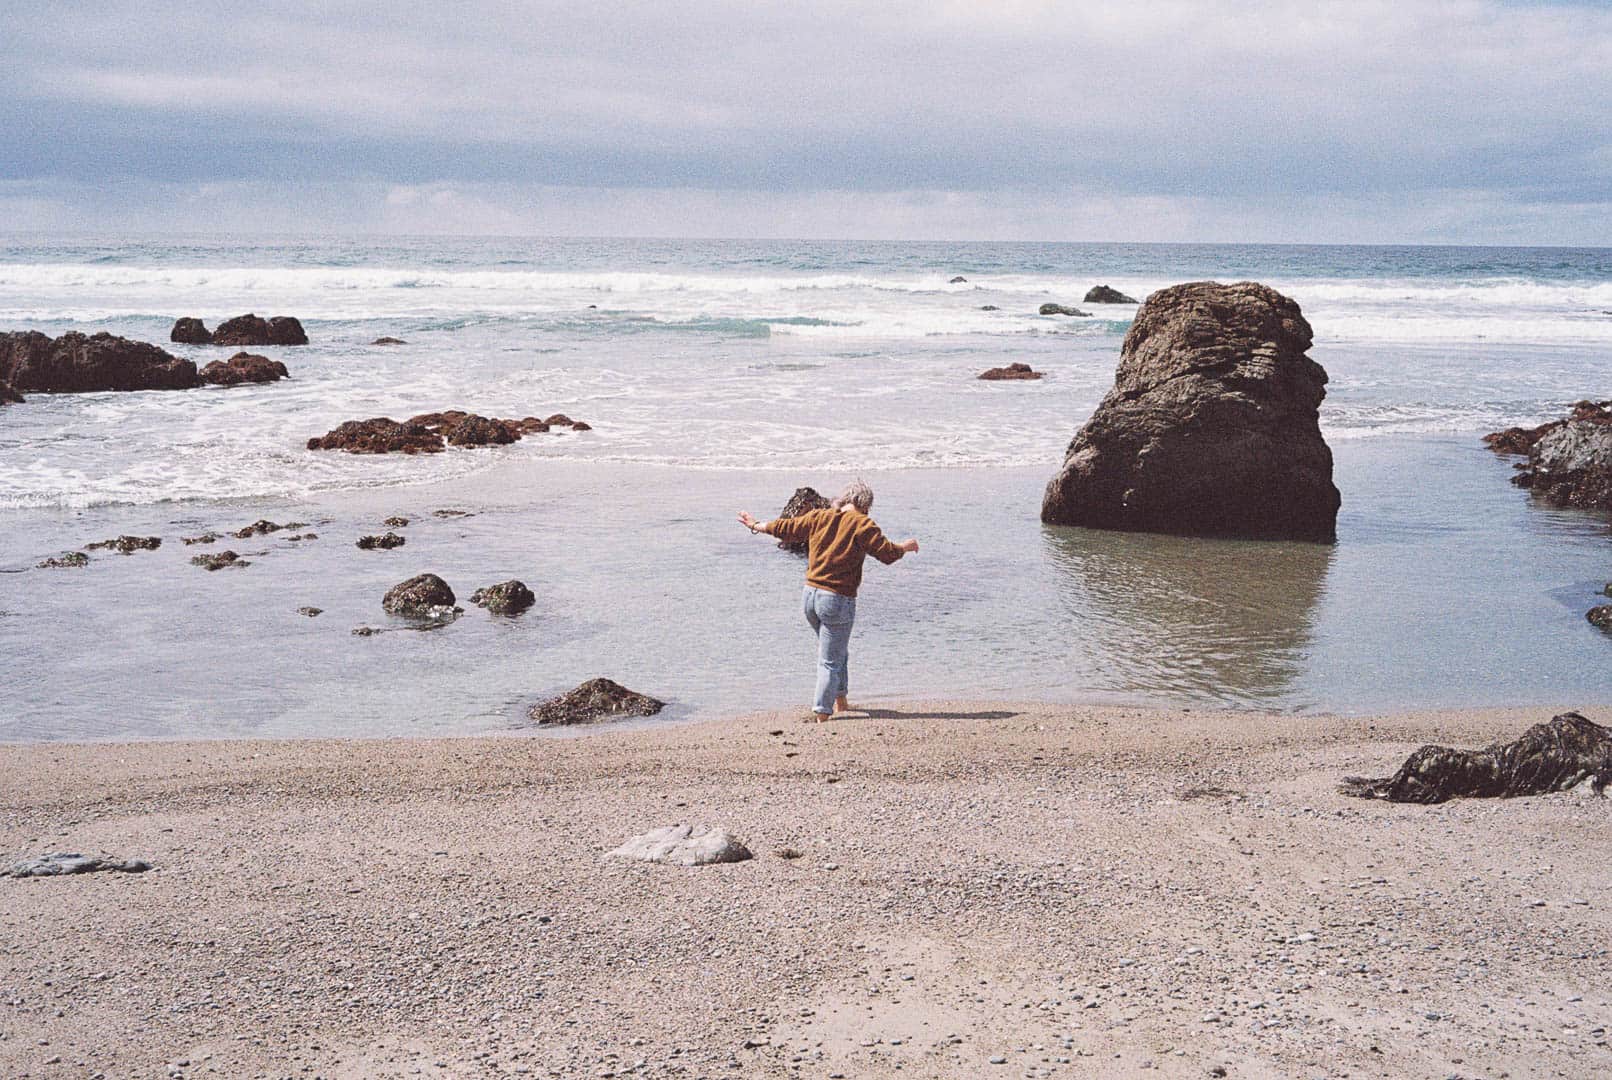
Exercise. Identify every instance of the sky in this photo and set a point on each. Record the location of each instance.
(1414, 121)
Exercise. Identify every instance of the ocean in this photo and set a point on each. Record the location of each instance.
(719, 376)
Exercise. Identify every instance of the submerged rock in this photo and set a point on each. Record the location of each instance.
(1059, 309)
(311, 612)
(1212, 427)
(506, 598)
(264, 527)
(217, 560)
(1600, 616)
(989, 307)
(188, 331)
(396, 522)
(1012, 371)
(9, 395)
(958, 280)
(66, 560)
(595, 700)
(424, 596)
(1102, 294)
(1549, 757)
(75, 363)
(385, 542)
(243, 367)
(1569, 461)
(204, 538)
(388, 341)
(58, 863)
(128, 545)
(451, 514)
(803, 501)
(684, 845)
(251, 329)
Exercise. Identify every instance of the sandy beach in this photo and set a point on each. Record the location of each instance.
(980, 889)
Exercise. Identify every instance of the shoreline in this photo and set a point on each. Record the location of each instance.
(1079, 891)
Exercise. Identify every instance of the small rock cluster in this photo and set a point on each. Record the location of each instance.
(243, 330)
(128, 545)
(430, 433)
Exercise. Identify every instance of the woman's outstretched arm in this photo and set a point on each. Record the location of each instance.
(793, 530)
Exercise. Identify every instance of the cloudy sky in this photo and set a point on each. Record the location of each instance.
(1468, 121)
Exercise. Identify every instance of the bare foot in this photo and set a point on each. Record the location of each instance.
(815, 717)
(841, 705)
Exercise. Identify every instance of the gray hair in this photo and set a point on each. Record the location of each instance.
(856, 494)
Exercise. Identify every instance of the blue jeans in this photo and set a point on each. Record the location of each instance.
(830, 616)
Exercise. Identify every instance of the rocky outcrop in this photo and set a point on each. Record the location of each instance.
(384, 542)
(803, 501)
(243, 367)
(248, 330)
(1212, 427)
(424, 596)
(188, 331)
(1012, 371)
(1549, 757)
(431, 432)
(218, 560)
(76, 363)
(1569, 461)
(1102, 294)
(595, 700)
(128, 545)
(506, 598)
(66, 560)
(684, 845)
(9, 395)
(1059, 309)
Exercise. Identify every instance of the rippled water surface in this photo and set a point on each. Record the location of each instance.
(719, 376)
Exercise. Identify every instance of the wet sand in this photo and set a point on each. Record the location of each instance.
(981, 889)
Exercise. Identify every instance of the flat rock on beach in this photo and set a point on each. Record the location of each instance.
(1075, 892)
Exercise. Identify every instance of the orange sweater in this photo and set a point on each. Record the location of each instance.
(836, 543)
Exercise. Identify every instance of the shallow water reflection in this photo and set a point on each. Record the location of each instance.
(1190, 618)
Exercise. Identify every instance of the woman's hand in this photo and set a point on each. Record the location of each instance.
(909, 546)
(748, 522)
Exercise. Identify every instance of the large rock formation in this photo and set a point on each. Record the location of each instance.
(243, 367)
(1212, 427)
(594, 700)
(1549, 757)
(254, 330)
(76, 363)
(1569, 461)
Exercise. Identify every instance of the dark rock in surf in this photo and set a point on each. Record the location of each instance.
(578, 425)
(188, 331)
(595, 700)
(249, 329)
(243, 367)
(385, 542)
(1600, 617)
(1549, 757)
(396, 522)
(75, 364)
(958, 280)
(1569, 461)
(388, 341)
(381, 435)
(424, 596)
(1012, 371)
(480, 431)
(263, 528)
(1102, 294)
(66, 560)
(128, 545)
(204, 538)
(1212, 427)
(803, 501)
(506, 598)
(218, 560)
(989, 307)
(9, 395)
(1059, 309)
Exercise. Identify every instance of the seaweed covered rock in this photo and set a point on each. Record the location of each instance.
(1549, 757)
(218, 560)
(1060, 309)
(77, 363)
(1569, 460)
(480, 431)
(249, 329)
(128, 545)
(381, 435)
(803, 501)
(424, 596)
(595, 700)
(188, 331)
(1102, 294)
(1012, 371)
(431, 432)
(385, 542)
(1212, 427)
(506, 598)
(243, 367)
(66, 560)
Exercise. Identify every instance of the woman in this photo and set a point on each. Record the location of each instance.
(837, 540)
